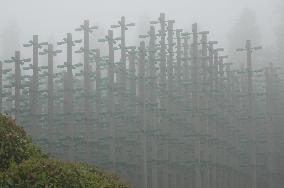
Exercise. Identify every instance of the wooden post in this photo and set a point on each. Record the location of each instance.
(35, 129)
(195, 103)
(163, 107)
(204, 99)
(87, 90)
(50, 92)
(69, 119)
(17, 84)
(212, 144)
(112, 127)
(141, 114)
(153, 105)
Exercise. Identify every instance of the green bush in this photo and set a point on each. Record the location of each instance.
(45, 173)
(15, 145)
(23, 165)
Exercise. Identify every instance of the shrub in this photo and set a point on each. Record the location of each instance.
(47, 173)
(15, 145)
(23, 165)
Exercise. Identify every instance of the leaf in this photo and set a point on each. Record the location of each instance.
(10, 181)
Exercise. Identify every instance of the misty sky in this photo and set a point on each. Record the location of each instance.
(57, 17)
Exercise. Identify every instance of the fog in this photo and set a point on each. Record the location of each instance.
(55, 18)
(191, 95)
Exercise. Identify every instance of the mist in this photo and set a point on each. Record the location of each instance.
(164, 94)
(55, 18)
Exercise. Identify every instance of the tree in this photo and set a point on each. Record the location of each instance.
(23, 164)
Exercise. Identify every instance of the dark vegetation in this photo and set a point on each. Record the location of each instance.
(24, 165)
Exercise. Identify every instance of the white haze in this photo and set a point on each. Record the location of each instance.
(54, 18)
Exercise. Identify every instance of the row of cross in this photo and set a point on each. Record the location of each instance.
(170, 113)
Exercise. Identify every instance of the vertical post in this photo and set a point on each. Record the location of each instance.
(211, 127)
(50, 94)
(221, 128)
(163, 107)
(122, 92)
(170, 101)
(141, 113)
(195, 105)
(135, 173)
(153, 104)
(111, 102)
(250, 114)
(204, 98)
(230, 136)
(216, 109)
(98, 85)
(170, 70)
(17, 84)
(178, 69)
(186, 75)
(69, 54)
(69, 120)
(122, 76)
(178, 83)
(67, 128)
(35, 131)
(188, 173)
(235, 83)
(163, 60)
(87, 90)
(98, 96)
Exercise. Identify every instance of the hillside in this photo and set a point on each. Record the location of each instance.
(24, 165)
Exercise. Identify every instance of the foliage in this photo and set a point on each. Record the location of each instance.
(53, 173)
(22, 164)
(15, 145)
